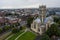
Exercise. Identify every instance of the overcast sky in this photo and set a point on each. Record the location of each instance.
(28, 3)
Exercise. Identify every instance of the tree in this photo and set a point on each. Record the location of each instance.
(56, 19)
(29, 21)
(0, 30)
(15, 30)
(13, 25)
(58, 22)
(53, 30)
(7, 27)
(45, 37)
(22, 27)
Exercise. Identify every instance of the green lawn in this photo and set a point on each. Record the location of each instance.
(15, 35)
(27, 36)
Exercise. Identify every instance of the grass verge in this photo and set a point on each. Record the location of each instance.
(5, 35)
(27, 36)
(15, 35)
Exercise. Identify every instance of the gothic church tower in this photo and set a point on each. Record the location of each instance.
(42, 13)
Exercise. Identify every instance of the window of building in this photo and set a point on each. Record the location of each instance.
(43, 29)
(38, 30)
(39, 25)
(35, 25)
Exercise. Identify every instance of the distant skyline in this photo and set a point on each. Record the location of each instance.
(6, 4)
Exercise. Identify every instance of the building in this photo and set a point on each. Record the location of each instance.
(58, 14)
(42, 23)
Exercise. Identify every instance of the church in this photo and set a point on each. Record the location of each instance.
(42, 23)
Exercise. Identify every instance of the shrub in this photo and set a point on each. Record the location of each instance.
(7, 27)
(14, 30)
(22, 27)
(45, 37)
(53, 30)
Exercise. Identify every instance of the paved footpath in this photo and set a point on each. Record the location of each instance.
(9, 37)
(21, 34)
(5, 35)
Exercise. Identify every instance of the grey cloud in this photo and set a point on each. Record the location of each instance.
(28, 3)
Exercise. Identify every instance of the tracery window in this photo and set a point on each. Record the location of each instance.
(35, 25)
(38, 30)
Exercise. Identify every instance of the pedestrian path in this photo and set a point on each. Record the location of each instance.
(5, 35)
(21, 34)
(9, 37)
